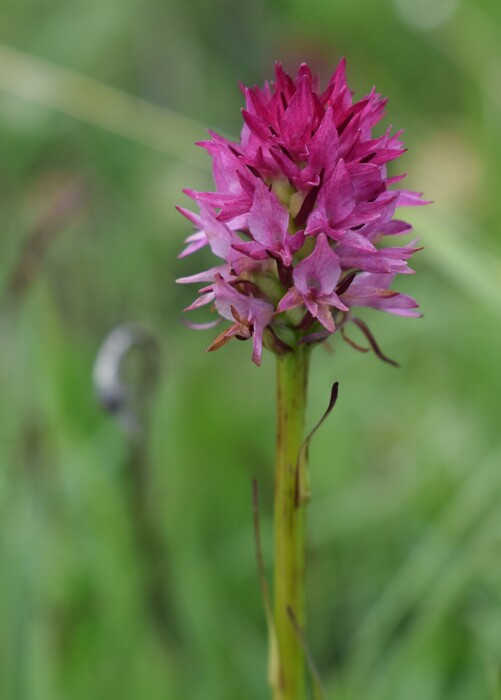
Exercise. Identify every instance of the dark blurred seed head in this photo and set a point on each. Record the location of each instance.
(125, 374)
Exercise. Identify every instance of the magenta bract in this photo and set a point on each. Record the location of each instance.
(300, 213)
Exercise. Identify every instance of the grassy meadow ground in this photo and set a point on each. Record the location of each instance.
(127, 568)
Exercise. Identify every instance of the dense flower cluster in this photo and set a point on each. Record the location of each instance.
(302, 205)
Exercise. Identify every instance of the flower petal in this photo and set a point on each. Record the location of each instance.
(407, 198)
(320, 271)
(268, 219)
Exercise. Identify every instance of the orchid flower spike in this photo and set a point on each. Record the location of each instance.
(302, 206)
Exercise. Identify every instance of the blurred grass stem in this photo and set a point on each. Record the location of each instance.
(290, 516)
(91, 101)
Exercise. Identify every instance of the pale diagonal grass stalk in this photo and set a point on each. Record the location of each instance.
(93, 102)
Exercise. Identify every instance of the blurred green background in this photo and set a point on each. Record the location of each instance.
(127, 567)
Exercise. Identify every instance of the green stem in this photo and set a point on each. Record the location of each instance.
(292, 375)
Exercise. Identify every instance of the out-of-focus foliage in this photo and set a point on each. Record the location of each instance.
(127, 565)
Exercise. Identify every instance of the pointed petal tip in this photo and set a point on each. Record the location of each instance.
(256, 359)
(192, 194)
(185, 212)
